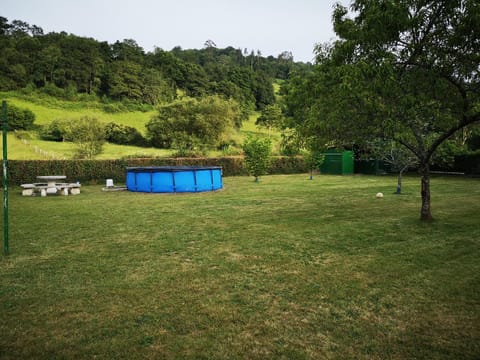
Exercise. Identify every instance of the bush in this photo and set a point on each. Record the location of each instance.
(88, 134)
(313, 160)
(53, 90)
(291, 143)
(123, 135)
(57, 130)
(189, 146)
(287, 165)
(184, 123)
(468, 163)
(114, 108)
(23, 135)
(444, 157)
(257, 155)
(19, 119)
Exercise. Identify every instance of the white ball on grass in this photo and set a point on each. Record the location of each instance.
(379, 195)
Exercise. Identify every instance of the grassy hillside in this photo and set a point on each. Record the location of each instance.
(48, 109)
(36, 149)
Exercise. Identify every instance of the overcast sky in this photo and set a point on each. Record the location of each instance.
(271, 26)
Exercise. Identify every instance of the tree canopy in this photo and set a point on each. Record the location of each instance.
(404, 70)
(64, 64)
(190, 124)
(257, 155)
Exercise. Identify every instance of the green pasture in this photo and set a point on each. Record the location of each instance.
(284, 269)
(36, 149)
(46, 113)
(54, 109)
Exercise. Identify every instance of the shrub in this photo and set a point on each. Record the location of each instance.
(271, 117)
(188, 146)
(57, 130)
(291, 142)
(444, 158)
(468, 163)
(257, 155)
(114, 108)
(123, 135)
(208, 121)
(19, 119)
(88, 134)
(53, 90)
(313, 160)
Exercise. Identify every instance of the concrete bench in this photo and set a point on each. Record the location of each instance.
(43, 189)
(65, 189)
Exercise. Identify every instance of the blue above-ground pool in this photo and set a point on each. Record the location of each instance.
(173, 179)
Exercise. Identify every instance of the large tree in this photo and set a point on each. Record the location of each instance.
(190, 123)
(405, 70)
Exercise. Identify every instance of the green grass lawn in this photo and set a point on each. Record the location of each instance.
(287, 268)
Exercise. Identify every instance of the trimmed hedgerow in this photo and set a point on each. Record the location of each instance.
(96, 171)
(468, 163)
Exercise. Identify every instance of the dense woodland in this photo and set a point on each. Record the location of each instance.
(65, 65)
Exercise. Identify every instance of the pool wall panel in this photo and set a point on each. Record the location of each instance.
(162, 182)
(184, 181)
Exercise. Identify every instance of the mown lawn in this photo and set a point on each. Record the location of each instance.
(287, 268)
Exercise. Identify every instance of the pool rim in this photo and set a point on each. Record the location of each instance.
(170, 168)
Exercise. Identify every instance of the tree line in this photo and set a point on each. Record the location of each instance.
(64, 65)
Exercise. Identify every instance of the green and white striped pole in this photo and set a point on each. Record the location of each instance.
(5, 178)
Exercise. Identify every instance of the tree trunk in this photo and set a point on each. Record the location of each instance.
(399, 183)
(425, 212)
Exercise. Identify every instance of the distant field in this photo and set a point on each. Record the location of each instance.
(35, 149)
(45, 114)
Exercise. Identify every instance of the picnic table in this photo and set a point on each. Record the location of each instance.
(50, 186)
(51, 182)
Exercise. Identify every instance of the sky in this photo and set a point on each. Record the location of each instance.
(270, 26)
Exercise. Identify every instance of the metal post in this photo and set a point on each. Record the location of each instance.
(5, 178)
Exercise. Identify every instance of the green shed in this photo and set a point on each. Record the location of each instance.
(338, 163)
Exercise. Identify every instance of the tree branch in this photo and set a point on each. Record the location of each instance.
(467, 120)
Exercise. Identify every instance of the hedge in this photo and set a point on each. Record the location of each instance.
(468, 163)
(96, 171)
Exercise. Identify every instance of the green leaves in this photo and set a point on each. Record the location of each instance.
(19, 118)
(257, 155)
(404, 71)
(271, 117)
(88, 134)
(190, 122)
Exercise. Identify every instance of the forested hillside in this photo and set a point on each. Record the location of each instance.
(190, 101)
(65, 65)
